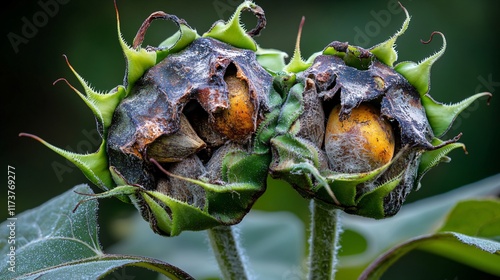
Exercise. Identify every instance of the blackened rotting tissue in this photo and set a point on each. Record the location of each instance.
(169, 114)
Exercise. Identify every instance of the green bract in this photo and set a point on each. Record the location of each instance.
(172, 138)
(346, 77)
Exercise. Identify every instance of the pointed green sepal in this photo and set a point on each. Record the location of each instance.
(159, 218)
(293, 150)
(125, 190)
(272, 60)
(94, 166)
(232, 32)
(386, 51)
(119, 181)
(419, 74)
(371, 204)
(119, 192)
(178, 41)
(235, 166)
(441, 116)
(292, 109)
(170, 217)
(137, 60)
(224, 203)
(305, 169)
(297, 63)
(117, 176)
(266, 130)
(103, 105)
(344, 185)
(429, 159)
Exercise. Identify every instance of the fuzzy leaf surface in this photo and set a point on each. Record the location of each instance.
(53, 242)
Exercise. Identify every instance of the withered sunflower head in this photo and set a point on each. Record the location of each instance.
(179, 135)
(358, 133)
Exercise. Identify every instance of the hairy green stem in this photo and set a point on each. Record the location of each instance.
(323, 247)
(229, 255)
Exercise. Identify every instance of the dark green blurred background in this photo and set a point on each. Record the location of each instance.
(86, 32)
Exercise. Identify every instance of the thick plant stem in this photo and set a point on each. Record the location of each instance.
(323, 247)
(228, 253)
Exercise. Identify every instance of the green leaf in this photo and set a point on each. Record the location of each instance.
(98, 267)
(415, 219)
(52, 230)
(480, 253)
(479, 218)
(54, 242)
(273, 242)
(462, 238)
